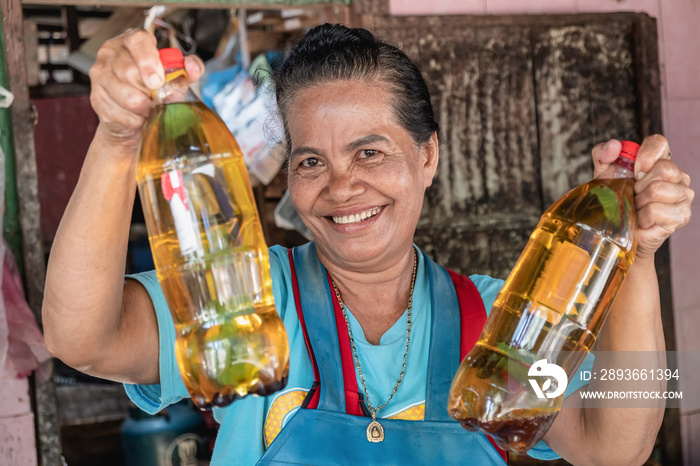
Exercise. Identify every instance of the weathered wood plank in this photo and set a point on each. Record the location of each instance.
(611, 85)
(459, 248)
(647, 75)
(371, 7)
(586, 94)
(23, 135)
(47, 423)
(91, 403)
(505, 246)
(442, 24)
(563, 109)
(509, 138)
(483, 244)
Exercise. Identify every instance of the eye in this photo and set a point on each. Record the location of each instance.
(368, 153)
(309, 162)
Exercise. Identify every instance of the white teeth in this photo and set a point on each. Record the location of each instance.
(357, 217)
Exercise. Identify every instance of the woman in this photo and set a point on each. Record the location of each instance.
(363, 147)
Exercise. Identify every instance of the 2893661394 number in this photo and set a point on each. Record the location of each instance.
(638, 374)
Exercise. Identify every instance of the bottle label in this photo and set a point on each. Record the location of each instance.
(558, 287)
(175, 193)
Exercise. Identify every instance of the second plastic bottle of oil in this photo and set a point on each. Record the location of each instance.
(208, 247)
(552, 307)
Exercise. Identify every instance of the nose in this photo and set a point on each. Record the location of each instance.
(343, 185)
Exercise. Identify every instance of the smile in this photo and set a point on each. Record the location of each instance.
(359, 217)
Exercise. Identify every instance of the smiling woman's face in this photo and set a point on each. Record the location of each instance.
(356, 177)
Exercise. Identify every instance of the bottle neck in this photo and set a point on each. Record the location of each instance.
(175, 89)
(622, 167)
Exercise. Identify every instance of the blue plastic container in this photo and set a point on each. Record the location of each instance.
(172, 437)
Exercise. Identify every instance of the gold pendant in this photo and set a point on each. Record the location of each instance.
(375, 432)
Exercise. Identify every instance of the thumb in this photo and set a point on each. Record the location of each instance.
(653, 149)
(194, 67)
(604, 154)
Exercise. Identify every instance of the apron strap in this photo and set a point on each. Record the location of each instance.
(473, 313)
(328, 334)
(473, 317)
(314, 296)
(450, 291)
(353, 404)
(315, 391)
(443, 358)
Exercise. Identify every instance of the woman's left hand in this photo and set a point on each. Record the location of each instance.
(662, 192)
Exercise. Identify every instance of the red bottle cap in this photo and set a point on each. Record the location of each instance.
(629, 150)
(171, 58)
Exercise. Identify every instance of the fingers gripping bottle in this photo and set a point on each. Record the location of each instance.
(208, 247)
(550, 310)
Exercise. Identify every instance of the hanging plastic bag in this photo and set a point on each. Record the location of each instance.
(221, 70)
(249, 109)
(286, 217)
(25, 342)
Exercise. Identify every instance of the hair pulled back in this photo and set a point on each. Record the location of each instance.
(330, 53)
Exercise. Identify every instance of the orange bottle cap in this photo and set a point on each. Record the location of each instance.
(171, 58)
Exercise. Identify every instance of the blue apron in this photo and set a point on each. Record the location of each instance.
(328, 434)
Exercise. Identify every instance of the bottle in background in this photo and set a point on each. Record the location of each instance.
(208, 248)
(552, 307)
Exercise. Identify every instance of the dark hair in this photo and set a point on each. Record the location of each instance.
(330, 53)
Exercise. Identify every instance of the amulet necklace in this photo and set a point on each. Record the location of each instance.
(375, 431)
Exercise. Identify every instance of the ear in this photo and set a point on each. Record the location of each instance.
(431, 151)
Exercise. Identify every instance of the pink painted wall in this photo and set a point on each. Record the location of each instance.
(679, 42)
(17, 445)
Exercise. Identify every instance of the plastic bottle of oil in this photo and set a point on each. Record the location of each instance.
(551, 307)
(208, 247)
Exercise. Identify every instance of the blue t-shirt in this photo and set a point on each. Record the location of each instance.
(249, 425)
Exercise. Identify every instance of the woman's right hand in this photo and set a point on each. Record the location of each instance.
(110, 331)
(126, 72)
